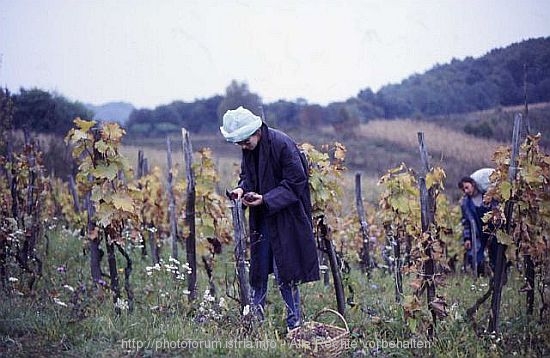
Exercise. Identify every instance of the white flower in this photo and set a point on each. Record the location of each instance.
(222, 303)
(208, 297)
(13, 279)
(70, 288)
(171, 259)
(171, 268)
(150, 269)
(122, 304)
(246, 310)
(59, 302)
(187, 268)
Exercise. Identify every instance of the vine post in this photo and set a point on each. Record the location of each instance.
(74, 193)
(500, 265)
(328, 248)
(171, 201)
(365, 251)
(139, 174)
(474, 247)
(240, 251)
(529, 264)
(427, 218)
(190, 241)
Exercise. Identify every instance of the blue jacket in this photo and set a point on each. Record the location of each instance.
(470, 213)
(286, 209)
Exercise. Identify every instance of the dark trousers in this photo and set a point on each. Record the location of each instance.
(289, 291)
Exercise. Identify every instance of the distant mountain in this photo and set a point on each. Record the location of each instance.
(112, 111)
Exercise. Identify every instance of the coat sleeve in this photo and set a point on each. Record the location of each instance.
(465, 221)
(293, 182)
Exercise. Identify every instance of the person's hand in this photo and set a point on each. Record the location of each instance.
(467, 245)
(252, 199)
(236, 193)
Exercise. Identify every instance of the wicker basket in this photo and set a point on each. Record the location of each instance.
(320, 339)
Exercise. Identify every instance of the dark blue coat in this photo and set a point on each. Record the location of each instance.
(474, 214)
(286, 208)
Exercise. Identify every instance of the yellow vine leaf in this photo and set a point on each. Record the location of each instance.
(112, 131)
(504, 238)
(123, 202)
(101, 146)
(340, 152)
(78, 135)
(84, 125)
(401, 205)
(104, 214)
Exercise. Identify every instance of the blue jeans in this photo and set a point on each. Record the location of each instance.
(289, 291)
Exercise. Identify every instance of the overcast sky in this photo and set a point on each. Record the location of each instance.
(150, 52)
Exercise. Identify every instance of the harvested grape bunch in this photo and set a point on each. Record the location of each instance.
(315, 333)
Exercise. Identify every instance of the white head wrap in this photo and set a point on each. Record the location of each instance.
(481, 177)
(239, 124)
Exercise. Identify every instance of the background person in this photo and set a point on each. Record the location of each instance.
(473, 209)
(274, 186)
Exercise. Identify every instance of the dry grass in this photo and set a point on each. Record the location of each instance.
(448, 143)
(155, 157)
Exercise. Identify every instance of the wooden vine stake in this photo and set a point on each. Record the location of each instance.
(528, 259)
(500, 265)
(365, 251)
(240, 251)
(171, 201)
(427, 214)
(139, 174)
(328, 247)
(190, 241)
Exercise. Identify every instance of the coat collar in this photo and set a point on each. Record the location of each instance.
(265, 145)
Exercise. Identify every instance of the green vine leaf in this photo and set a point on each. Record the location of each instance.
(506, 190)
(108, 171)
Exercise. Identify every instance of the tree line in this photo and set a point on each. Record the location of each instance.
(502, 77)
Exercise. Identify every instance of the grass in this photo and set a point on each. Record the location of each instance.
(38, 324)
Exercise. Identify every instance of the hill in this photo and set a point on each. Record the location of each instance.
(112, 111)
(502, 77)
